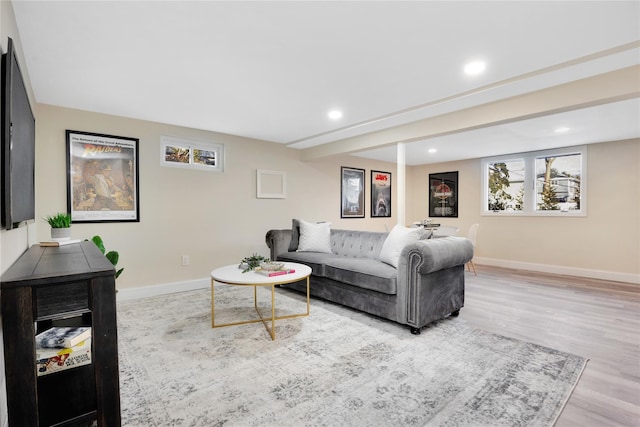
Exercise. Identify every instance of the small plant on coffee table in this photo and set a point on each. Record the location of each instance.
(252, 262)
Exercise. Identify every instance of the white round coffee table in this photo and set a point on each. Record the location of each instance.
(232, 275)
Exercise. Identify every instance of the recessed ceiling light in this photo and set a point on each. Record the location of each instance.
(335, 114)
(432, 150)
(562, 129)
(475, 67)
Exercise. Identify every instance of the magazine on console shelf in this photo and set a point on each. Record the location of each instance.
(49, 360)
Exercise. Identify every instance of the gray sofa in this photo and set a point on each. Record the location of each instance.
(428, 284)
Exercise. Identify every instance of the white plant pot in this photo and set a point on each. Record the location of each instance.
(60, 234)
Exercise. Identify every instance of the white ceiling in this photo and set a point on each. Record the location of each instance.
(273, 70)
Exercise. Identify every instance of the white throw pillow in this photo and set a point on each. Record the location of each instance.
(315, 237)
(398, 238)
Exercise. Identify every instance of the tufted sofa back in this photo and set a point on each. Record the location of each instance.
(357, 244)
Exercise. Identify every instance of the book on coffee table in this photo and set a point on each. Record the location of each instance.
(272, 273)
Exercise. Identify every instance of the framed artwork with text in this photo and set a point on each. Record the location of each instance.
(102, 177)
(443, 194)
(380, 194)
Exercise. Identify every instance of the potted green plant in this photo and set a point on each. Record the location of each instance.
(60, 226)
(112, 256)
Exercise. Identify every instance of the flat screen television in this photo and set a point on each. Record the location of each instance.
(18, 145)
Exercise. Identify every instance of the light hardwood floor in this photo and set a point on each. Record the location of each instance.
(596, 319)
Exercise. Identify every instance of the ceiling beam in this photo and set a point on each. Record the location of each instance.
(605, 88)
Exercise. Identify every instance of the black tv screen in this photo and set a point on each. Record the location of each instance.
(18, 145)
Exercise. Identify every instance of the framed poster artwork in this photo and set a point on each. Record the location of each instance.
(102, 177)
(352, 193)
(380, 194)
(443, 194)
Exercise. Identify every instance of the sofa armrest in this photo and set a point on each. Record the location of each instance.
(438, 254)
(431, 279)
(278, 242)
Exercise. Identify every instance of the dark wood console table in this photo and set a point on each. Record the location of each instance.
(71, 285)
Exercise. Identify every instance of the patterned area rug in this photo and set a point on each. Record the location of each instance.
(336, 367)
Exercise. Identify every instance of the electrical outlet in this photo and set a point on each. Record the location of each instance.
(185, 260)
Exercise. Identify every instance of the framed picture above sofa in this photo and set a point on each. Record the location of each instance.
(352, 192)
(380, 194)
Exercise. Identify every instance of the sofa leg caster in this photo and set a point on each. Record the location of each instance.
(455, 313)
(415, 331)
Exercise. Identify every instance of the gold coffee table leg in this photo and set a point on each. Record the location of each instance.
(213, 317)
(272, 329)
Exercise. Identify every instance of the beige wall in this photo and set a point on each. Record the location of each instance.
(605, 243)
(215, 218)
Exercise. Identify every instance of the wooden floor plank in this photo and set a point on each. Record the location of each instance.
(592, 318)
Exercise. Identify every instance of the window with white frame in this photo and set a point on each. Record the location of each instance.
(545, 183)
(191, 154)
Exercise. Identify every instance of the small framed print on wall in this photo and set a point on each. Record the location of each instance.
(352, 193)
(102, 177)
(380, 194)
(443, 194)
(271, 184)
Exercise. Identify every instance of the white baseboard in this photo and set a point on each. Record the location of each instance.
(163, 289)
(559, 269)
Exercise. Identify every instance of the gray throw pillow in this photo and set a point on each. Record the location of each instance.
(295, 235)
